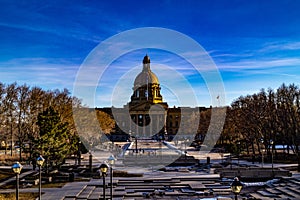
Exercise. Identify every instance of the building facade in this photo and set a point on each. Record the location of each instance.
(146, 115)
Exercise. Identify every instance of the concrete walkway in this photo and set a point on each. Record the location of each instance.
(70, 189)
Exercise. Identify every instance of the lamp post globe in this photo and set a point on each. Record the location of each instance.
(111, 160)
(103, 168)
(236, 187)
(40, 161)
(17, 168)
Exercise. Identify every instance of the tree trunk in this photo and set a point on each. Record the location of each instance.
(247, 147)
(12, 140)
(20, 153)
(47, 165)
(253, 149)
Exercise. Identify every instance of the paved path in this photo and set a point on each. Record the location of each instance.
(70, 189)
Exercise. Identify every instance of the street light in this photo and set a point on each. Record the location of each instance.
(271, 142)
(239, 149)
(40, 161)
(262, 153)
(111, 161)
(103, 169)
(236, 187)
(79, 153)
(135, 138)
(166, 134)
(17, 167)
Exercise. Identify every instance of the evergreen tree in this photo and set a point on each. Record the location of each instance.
(55, 142)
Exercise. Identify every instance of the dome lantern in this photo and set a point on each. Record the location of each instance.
(146, 59)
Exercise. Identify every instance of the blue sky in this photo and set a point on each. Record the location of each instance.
(254, 44)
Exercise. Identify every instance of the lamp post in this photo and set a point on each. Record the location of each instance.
(90, 161)
(236, 187)
(262, 153)
(135, 138)
(271, 142)
(111, 161)
(166, 134)
(103, 169)
(79, 153)
(136, 145)
(40, 161)
(239, 149)
(17, 167)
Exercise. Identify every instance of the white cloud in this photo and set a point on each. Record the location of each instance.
(46, 73)
(280, 46)
(259, 64)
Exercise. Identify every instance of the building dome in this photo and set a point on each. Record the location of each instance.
(146, 76)
(146, 92)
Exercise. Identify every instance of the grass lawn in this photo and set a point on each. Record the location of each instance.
(6, 174)
(22, 196)
(51, 185)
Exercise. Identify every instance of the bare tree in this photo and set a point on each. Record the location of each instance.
(9, 105)
(3, 137)
(22, 115)
(288, 112)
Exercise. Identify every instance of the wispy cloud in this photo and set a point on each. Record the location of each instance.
(44, 72)
(280, 46)
(260, 64)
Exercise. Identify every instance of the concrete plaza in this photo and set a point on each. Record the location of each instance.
(173, 183)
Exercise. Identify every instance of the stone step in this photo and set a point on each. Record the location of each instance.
(70, 198)
(295, 190)
(295, 181)
(86, 192)
(94, 196)
(259, 196)
(273, 191)
(287, 192)
(267, 194)
(107, 193)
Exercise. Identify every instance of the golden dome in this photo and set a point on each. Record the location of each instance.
(146, 76)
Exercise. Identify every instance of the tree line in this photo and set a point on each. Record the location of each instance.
(260, 121)
(42, 122)
(22, 109)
